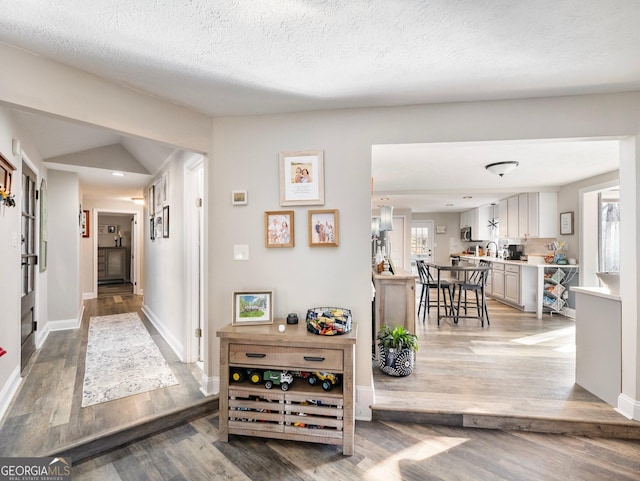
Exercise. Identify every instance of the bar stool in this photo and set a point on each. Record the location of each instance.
(428, 283)
(476, 283)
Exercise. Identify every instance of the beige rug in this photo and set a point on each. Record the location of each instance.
(122, 360)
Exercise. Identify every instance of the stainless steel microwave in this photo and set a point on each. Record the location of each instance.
(465, 234)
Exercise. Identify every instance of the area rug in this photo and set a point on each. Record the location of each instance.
(122, 360)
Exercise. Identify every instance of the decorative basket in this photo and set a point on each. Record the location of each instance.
(328, 321)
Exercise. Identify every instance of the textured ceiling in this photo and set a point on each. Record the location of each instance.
(239, 57)
(247, 56)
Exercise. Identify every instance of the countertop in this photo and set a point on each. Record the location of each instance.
(597, 291)
(536, 261)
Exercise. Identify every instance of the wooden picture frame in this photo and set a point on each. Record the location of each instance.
(85, 223)
(302, 178)
(152, 229)
(566, 223)
(165, 221)
(279, 228)
(6, 174)
(253, 307)
(323, 228)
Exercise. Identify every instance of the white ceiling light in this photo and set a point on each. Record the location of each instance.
(117, 174)
(501, 168)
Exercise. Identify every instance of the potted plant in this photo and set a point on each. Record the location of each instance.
(397, 349)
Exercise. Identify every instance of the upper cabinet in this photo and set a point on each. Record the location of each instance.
(478, 219)
(532, 214)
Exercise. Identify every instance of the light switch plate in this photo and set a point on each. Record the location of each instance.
(240, 252)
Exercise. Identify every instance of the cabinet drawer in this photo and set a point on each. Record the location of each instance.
(287, 357)
(497, 266)
(512, 268)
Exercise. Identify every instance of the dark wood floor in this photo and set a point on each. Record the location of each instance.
(384, 451)
(47, 412)
(518, 364)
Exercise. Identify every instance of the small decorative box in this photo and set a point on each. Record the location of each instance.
(328, 321)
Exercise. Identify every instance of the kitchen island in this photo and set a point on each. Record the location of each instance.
(528, 285)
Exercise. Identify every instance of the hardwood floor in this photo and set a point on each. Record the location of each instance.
(46, 413)
(517, 373)
(384, 451)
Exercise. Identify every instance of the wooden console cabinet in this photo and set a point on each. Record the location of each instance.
(303, 412)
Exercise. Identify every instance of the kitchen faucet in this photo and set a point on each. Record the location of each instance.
(487, 247)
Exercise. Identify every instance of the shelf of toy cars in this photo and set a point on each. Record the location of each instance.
(298, 387)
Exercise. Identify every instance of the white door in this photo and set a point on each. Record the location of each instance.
(422, 233)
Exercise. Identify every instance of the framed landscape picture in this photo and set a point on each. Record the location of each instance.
(252, 308)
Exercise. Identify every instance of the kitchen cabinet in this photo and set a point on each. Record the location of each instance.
(497, 280)
(513, 214)
(300, 413)
(503, 216)
(512, 284)
(478, 220)
(530, 214)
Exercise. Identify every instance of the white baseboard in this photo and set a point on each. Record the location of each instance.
(365, 398)
(65, 324)
(628, 407)
(173, 342)
(209, 385)
(8, 391)
(89, 295)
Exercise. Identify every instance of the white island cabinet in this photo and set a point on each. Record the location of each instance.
(598, 339)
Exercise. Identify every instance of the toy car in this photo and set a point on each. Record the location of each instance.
(239, 374)
(284, 379)
(328, 380)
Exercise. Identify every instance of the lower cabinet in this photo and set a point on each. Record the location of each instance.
(512, 283)
(253, 358)
(497, 278)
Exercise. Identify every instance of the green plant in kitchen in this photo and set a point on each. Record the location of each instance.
(397, 350)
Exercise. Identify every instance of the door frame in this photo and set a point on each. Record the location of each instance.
(41, 333)
(195, 253)
(135, 244)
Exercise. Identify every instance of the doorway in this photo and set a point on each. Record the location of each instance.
(29, 260)
(116, 253)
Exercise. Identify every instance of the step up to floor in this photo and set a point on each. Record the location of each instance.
(102, 442)
(622, 429)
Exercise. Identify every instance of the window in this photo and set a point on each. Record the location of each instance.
(419, 241)
(609, 231)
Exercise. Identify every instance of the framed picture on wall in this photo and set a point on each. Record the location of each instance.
(165, 221)
(302, 178)
(152, 229)
(566, 223)
(323, 228)
(278, 229)
(151, 200)
(85, 223)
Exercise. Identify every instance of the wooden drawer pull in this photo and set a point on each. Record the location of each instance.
(254, 354)
(314, 359)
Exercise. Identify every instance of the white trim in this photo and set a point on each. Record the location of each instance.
(8, 391)
(365, 398)
(628, 407)
(173, 342)
(209, 386)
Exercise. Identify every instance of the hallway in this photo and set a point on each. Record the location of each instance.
(46, 413)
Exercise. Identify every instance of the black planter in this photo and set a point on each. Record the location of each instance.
(396, 363)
